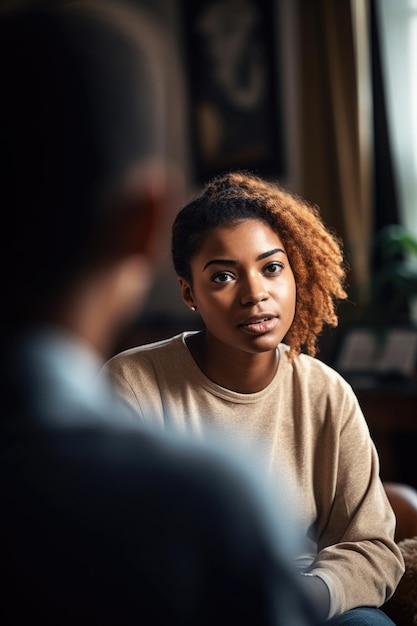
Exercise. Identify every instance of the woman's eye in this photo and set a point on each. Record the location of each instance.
(274, 268)
(222, 277)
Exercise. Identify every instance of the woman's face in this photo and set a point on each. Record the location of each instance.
(243, 286)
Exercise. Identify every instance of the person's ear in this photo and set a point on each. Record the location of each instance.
(145, 223)
(150, 199)
(187, 293)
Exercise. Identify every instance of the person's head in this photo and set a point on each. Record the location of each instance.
(312, 252)
(82, 154)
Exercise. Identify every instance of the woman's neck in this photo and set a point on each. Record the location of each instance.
(243, 372)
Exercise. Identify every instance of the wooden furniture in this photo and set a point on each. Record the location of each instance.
(402, 607)
(391, 414)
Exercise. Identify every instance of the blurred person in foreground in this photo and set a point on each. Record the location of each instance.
(102, 523)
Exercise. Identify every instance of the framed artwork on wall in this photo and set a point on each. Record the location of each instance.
(233, 70)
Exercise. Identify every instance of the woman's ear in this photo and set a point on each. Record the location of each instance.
(186, 293)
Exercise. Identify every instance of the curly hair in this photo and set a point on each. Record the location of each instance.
(314, 252)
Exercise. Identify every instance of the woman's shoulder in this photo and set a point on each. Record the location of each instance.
(320, 387)
(167, 349)
(309, 368)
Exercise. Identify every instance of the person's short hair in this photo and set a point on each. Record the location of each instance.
(81, 105)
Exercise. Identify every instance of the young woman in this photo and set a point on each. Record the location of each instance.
(265, 274)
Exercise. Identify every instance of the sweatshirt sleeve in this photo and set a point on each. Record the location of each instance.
(356, 554)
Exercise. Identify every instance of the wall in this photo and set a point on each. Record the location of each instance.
(165, 312)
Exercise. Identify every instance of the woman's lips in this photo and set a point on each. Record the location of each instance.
(259, 326)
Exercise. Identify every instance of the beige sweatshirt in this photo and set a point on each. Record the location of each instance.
(307, 421)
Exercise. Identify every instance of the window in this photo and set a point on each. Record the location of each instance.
(397, 21)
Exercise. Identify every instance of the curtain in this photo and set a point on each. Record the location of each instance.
(386, 209)
(336, 129)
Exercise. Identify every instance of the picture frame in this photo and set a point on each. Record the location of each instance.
(234, 81)
(370, 356)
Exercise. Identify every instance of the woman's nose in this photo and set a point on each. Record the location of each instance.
(253, 291)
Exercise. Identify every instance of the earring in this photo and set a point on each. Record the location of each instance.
(193, 308)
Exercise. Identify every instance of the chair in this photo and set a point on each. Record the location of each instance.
(402, 607)
(403, 499)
